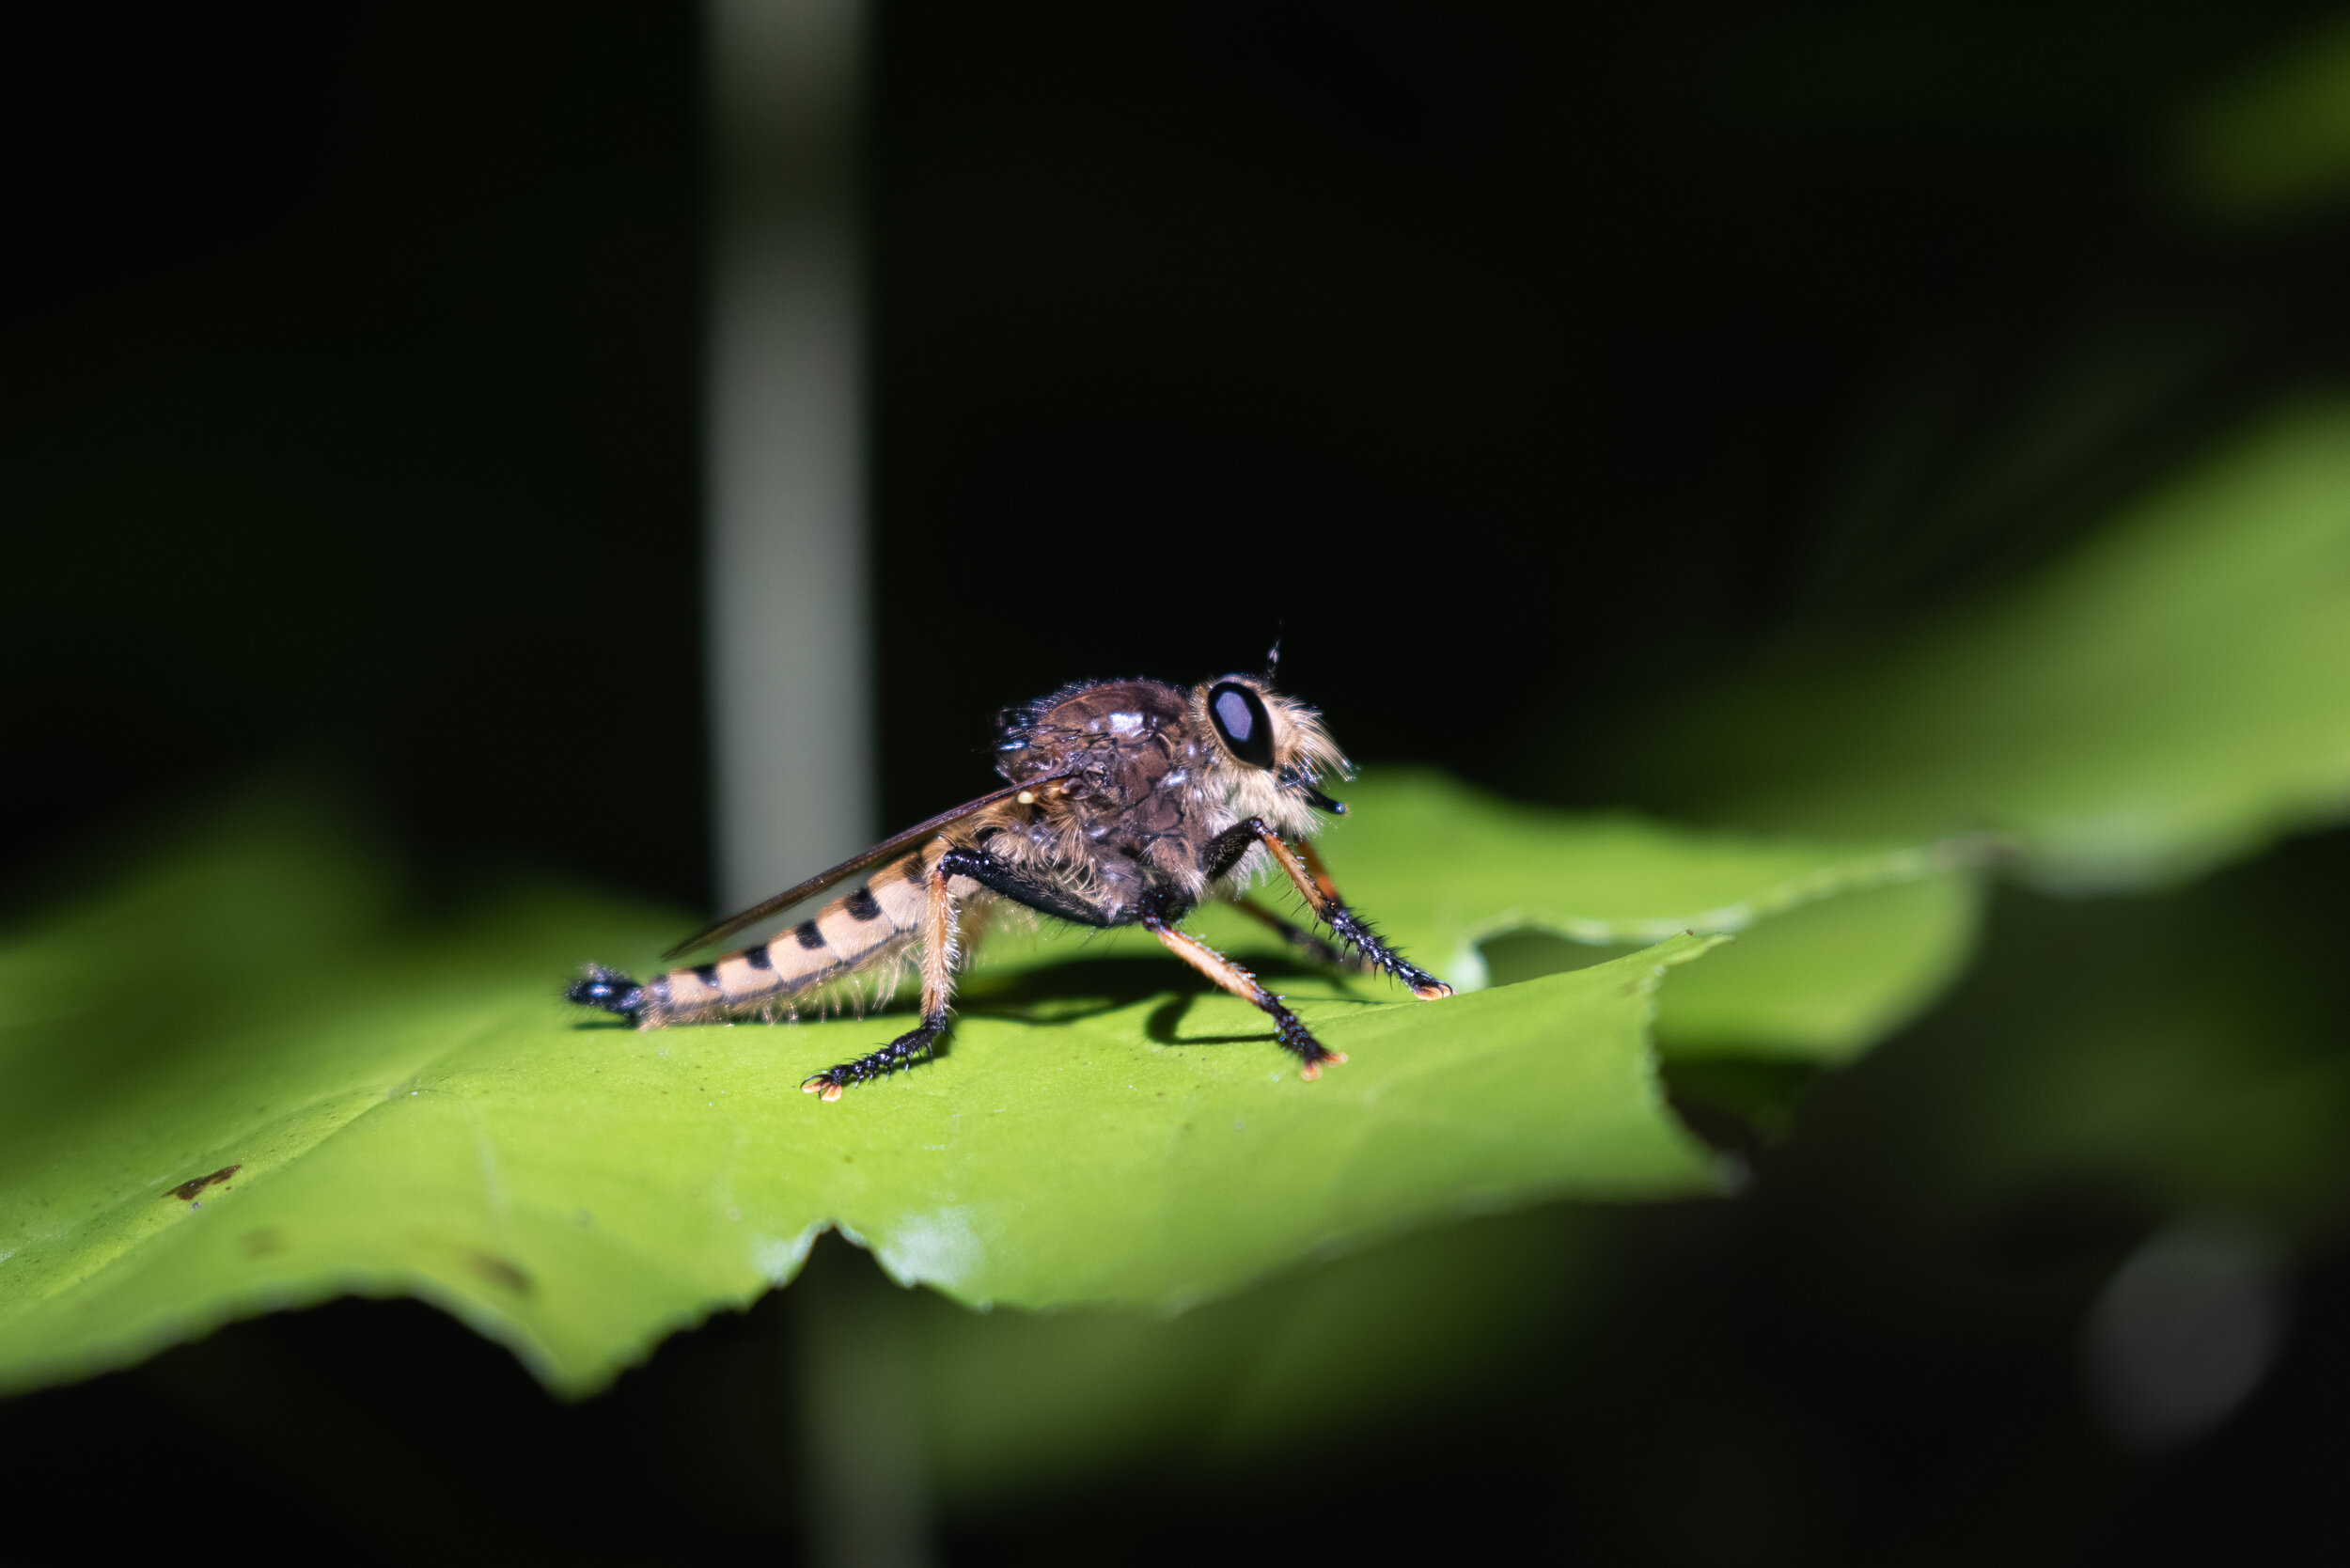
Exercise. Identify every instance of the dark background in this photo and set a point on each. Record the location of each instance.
(1515, 365)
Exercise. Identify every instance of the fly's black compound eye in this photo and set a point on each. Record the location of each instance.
(1241, 721)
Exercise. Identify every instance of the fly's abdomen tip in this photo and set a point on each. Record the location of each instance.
(609, 990)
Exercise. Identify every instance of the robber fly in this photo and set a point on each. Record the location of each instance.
(1128, 803)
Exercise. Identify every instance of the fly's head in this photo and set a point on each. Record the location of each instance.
(1271, 751)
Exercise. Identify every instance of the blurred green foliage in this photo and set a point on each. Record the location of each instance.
(2164, 698)
(2274, 142)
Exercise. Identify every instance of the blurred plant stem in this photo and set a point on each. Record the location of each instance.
(868, 1500)
(789, 678)
(791, 699)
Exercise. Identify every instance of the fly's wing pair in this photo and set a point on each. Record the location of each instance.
(919, 833)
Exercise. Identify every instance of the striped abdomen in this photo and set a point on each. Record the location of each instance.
(849, 933)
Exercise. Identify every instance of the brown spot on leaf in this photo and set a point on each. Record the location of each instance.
(187, 1190)
(261, 1243)
(502, 1272)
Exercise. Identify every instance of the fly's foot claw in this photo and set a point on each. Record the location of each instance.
(1312, 1069)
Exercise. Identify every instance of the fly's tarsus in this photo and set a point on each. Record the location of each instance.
(1305, 872)
(1306, 942)
(913, 1046)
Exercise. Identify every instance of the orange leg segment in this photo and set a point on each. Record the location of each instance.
(1293, 1034)
(1313, 884)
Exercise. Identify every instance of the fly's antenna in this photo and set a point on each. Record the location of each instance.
(1272, 659)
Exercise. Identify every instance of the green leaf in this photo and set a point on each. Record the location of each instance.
(1840, 943)
(1826, 981)
(401, 1105)
(2168, 698)
(2108, 1064)
(405, 1107)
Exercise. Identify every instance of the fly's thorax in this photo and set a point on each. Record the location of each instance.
(1131, 750)
(1032, 834)
(1098, 725)
(1145, 775)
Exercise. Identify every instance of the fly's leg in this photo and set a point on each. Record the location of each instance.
(1157, 916)
(939, 982)
(939, 956)
(1313, 884)
(904, 1051)
(1022, 888)
(1304, 941)
(1305, 872)
(1294, 1037)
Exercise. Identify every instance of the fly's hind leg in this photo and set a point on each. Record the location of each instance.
(1313, 884)
(939, 957)
(1294, 1037)
(908, 1048)
(938, 980)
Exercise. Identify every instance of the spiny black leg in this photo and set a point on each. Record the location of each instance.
(904, 1051)
(1223, 852)
(1304, 941)
(1019, 888)
(1297, 1039)
(1352, 930)
(917, 1043)
(1287, 1027)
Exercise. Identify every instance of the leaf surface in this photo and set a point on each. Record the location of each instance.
(1840, 942)
(249, 1077)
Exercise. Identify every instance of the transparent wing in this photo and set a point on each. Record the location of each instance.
(919, 833)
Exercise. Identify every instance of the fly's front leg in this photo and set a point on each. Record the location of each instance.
(938, 981)
(1294, 1037)
(1313, 884)
(1304, 941)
